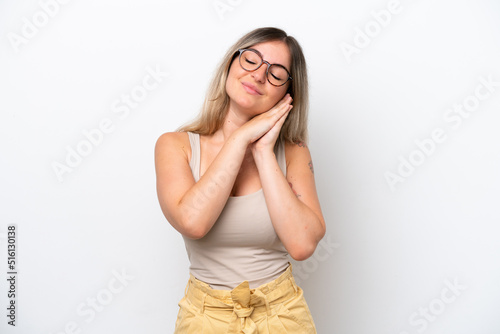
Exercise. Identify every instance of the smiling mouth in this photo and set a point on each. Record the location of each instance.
(251, 89)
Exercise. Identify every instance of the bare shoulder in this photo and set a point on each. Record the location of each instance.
(296, 152)
(173, 142)
(298, 160)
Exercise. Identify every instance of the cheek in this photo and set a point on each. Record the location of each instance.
(229, 87)
(270, 102)
(278, 94)
(231, 79)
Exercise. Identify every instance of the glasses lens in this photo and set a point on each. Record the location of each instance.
(277, 75)
(250, 60)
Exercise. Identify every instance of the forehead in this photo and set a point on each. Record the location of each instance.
(275, 52)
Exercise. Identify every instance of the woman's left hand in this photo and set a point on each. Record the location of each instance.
(267, 141)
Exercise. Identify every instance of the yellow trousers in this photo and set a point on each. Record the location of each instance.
(277, 307)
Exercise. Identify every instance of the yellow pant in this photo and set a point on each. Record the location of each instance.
(277, 307)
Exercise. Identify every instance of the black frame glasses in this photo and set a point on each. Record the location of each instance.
(262, 61)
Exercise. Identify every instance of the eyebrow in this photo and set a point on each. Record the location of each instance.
(263, 58)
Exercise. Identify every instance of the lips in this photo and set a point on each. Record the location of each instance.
(251, 89)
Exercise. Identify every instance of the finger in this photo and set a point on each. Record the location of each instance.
(282, 119)
(282, 109)
(285, 115)
(285, 109)
(281, 105)
(285, 101)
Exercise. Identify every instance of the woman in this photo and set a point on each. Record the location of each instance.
(238, 184)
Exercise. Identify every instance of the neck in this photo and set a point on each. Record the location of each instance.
(234, 119)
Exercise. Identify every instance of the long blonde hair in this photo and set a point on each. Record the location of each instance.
(216, 103)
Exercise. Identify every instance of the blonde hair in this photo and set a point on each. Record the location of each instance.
(216, 103)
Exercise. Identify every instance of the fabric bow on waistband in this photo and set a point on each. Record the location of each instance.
(244, 302)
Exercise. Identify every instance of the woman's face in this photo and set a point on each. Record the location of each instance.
(251, 92)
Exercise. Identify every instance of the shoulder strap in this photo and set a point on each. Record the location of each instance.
(194, 163)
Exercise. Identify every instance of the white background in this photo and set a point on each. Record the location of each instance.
(389, 253)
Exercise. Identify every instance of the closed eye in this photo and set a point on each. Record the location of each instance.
(277, 78)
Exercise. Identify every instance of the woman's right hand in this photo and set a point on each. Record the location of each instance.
(259, 125)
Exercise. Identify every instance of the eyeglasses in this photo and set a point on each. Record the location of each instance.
(251, 60)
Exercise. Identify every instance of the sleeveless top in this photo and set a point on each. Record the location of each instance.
(242, 245)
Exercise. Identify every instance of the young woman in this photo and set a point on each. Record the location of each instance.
(238, 184)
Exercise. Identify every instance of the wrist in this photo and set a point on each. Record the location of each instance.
(238, 140)
(262, 154)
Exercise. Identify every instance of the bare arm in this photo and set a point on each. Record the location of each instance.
(292, 202)
(192, 208)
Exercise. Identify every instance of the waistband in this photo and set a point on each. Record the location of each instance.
(242, 300)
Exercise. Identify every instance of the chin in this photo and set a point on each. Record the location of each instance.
(250, 108)
(253, 104)
(247, 103)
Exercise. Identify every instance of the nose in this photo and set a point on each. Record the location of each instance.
(260, 74)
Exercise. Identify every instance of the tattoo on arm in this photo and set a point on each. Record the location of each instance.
(310, 164)
(291, 186)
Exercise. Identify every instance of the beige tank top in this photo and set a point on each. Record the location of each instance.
(242, 245)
